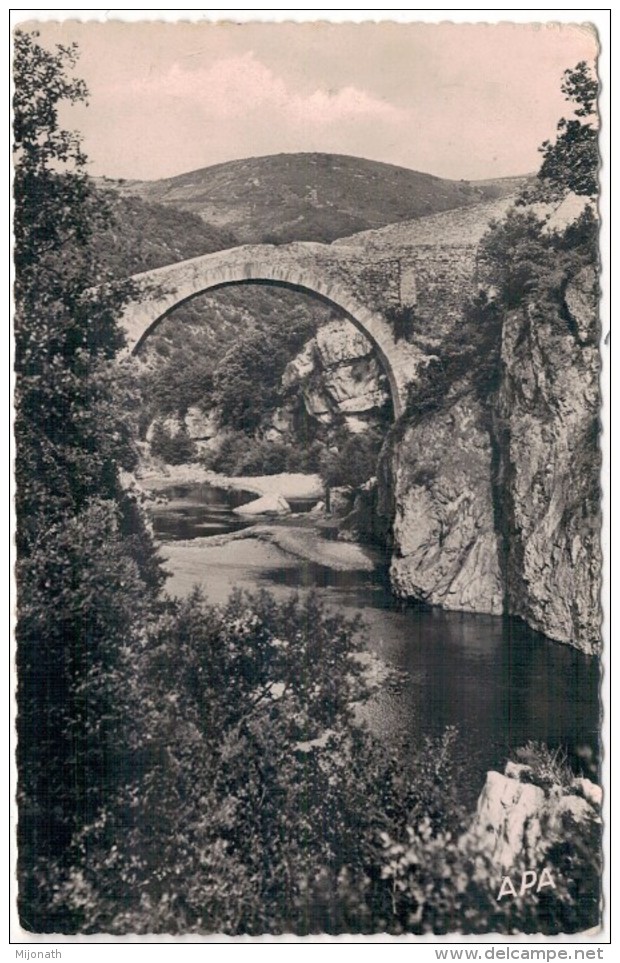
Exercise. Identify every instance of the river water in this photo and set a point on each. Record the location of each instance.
(499, 682)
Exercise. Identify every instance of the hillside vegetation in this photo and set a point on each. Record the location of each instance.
(142, 235)
(310, 197)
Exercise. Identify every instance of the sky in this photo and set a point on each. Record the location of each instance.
(456, 100)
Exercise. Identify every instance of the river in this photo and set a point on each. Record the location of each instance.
(499, 682)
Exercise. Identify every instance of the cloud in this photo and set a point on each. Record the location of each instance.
(235, 86)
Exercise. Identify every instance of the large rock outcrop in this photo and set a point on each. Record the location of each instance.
(520, 815)
(496, 508)
(339, 376)
(547, 429)
(446, 548)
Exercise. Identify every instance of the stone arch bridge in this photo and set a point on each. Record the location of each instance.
(427, 266)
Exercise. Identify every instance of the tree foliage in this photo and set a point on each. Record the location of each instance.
(570, 163)
(241, 454)
(85, 566)
(175, 448)
(531, 262)
(353, 461)
(247, 383)
(73, 414)
(532, 265)
(50, 182)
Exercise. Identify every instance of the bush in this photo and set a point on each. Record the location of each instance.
(354, 462)
(549, 766)
(175, 449)
(241, 454)
(532, 264)
(242, 779)
(248, 379)
(402, 320)
(470, 362)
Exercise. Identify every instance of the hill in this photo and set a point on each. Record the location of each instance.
(146, 235)
(310, 197)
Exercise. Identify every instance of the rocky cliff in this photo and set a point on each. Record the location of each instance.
(496, 506)
(446, 549)
(547, 432)
(339, 377)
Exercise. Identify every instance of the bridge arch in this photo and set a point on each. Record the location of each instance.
(164, 289)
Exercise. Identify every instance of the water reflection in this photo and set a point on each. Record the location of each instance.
(500, 682)
(194, 511)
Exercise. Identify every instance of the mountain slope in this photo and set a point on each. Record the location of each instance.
(310, 197)
(145, 235)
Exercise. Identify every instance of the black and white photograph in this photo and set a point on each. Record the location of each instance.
(308, 478)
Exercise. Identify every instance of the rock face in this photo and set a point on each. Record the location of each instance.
(200, 427)
(446, 549)
(339, 375)
(547, 430)
(497, 509)
(508, 818)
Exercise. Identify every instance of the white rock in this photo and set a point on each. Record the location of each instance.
(356, 426)
(282, 420)
(266, 505)
(581, 301)
(508, 818)
(590, 791)
(316, 402)
(340, 341)
(517, 770)
(356, 387)
(172, 424)
(302, 365)
(574, 806)
(199, 425)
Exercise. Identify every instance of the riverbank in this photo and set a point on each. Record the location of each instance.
(287, 484)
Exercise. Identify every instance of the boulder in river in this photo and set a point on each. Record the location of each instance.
(272, 504)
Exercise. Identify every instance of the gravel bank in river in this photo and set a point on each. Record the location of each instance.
(227, 557)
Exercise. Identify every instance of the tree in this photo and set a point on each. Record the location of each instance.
(50, 180)
(248, 379)
(570, 163)
(355, 461)
(531, 263)
(86, 568)
(176, 449)
(69, 434)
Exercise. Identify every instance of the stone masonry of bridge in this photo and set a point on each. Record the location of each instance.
(428, 265)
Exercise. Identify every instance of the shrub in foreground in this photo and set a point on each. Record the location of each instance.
(251, 801)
